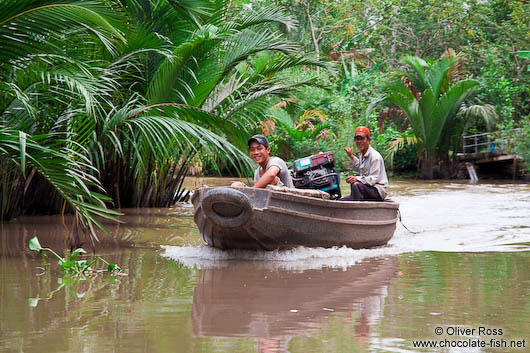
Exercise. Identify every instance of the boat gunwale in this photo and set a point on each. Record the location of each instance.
(279, 195)
(335, 203)
(332, 219)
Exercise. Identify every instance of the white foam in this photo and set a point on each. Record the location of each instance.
(452, 218)
(298, 259)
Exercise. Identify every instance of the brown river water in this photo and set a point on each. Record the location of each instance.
(459, 279)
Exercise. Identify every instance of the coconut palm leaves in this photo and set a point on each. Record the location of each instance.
(430, 99)
(219, 75)
(44, 87)
(26, 26)
(135, 91)
(66, 169)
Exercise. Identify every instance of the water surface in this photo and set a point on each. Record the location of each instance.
(465, 267)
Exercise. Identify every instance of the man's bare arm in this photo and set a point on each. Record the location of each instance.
(268, 177)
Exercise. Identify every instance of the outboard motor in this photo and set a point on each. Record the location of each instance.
(316, 172)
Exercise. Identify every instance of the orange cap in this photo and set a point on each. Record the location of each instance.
(362, 131)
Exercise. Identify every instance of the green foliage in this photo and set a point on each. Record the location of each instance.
(42, 87)
(499, 88)
(136, 90)
(431, 100)
(126, 96)
(70, 264)
(340, 105)
(521, 142)
(66, 168)
(400, 154)
(487, 35)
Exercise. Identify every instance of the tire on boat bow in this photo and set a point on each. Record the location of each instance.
(227, 207)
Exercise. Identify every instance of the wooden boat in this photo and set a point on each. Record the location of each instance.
(282, 218)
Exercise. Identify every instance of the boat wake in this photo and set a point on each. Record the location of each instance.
(297, 259)
(453, 218)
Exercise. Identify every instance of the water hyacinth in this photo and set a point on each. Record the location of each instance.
(70, 264)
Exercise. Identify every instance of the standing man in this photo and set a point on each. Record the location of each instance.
(272, 170)
(371, 182)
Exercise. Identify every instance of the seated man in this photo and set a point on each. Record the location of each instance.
(272, 170)
(372, 179)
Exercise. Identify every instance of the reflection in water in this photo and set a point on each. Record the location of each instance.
(243, 299)
(139, 227)
(42, 310)
(192, 298)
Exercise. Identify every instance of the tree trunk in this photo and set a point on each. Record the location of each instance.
(427, 167)
(313, 36)
(393, 47)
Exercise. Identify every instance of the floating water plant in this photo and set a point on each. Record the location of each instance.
(70, 264)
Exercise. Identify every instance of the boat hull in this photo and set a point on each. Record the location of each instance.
(261, 219)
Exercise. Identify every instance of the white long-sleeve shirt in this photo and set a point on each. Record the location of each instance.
(371, 170)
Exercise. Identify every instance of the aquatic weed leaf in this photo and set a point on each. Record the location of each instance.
(34, 244)
(113, 267)
(92, 262)
(32, 302)
(71, 265)
(76, 252)
(66, 265)
(83, 265)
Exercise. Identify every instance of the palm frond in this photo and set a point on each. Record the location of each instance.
(446, 107)
(25, 27)
(192, 10)
(419, 77)
(83, 83)
(280, 89)
(486, 112)
(285, 62)
(141, 40)
(438, 74)
(165, 134)
(398, 144)
(405, 100)
(65, 169)
(168, 81)
(269, 14)
(247, 42)
(219, 13)
(20, 110)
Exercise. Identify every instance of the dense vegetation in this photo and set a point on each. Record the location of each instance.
(107, 104)
(391, 56)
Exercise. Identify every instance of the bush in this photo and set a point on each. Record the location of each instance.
(521, 142)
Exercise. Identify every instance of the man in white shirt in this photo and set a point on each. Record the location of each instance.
(372, 179)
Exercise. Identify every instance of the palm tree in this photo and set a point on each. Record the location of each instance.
(201, 94)
(430, 96)
(126, 96)
(42, 88)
